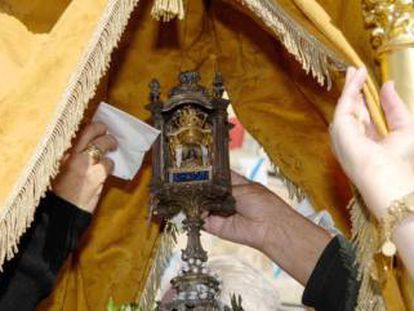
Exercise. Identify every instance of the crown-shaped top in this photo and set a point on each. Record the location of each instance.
(188, 89)
(189, 83)
(189, 77)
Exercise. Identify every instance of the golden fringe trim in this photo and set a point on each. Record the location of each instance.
(44, 164)
(168, 241)
(366, 241)
(166, 10)
(159, 264)
(318, 60)
(294, 191)
(314, 57)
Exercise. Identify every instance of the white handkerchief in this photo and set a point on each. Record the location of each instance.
(134, 137)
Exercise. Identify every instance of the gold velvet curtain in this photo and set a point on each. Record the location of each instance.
(41, 45)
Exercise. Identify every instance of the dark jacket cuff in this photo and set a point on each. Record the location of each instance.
(66, 223)
(333, 285)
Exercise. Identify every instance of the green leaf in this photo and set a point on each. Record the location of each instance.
(111, 305)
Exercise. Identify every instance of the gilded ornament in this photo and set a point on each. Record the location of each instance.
(191, 174)
(391, 23)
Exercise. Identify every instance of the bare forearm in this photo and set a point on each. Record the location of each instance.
(295, 243)
(403, 237)
(379, 201)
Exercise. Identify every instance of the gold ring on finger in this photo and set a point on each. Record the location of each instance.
(95, 153)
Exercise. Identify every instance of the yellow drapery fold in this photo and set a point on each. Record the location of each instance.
(30, 96)
(281, 106)
(256, 70)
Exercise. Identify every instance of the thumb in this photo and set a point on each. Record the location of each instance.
(215, 224)
(395, 110)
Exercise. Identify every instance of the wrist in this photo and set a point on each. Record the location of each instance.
(298, 249)
(401, 227)
(269, 244)
(379, 198)
(292, 238)
(273, 237)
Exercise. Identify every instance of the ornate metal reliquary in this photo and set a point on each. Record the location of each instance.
(191, 174)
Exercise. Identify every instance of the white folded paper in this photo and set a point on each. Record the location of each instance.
(134, 137)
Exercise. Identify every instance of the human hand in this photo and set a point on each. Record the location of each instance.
(266, 222)
(380, 167)
(81, 179)
(253, 222)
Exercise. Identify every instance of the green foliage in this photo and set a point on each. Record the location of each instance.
(111, 305)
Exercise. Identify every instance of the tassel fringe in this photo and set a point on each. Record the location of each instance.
(166, 10)
(314, 57)
(35, 179)
(318, 61)
(366, 240)
(44, 164)
(161, 260)
(294, 191)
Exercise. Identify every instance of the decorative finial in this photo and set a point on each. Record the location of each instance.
(189, 77)
(218, 85)
(188, 83)
(189, 176)
(154, 86)
(391, 22)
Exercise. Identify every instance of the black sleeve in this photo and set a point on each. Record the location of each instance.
(333, 285)
(30, 276)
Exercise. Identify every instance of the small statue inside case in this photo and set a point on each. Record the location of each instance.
(191, 174)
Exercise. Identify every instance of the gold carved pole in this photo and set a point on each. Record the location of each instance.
(392, 36)
(392, 24)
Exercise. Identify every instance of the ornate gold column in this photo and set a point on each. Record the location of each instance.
(392, 29)
(392, 36)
